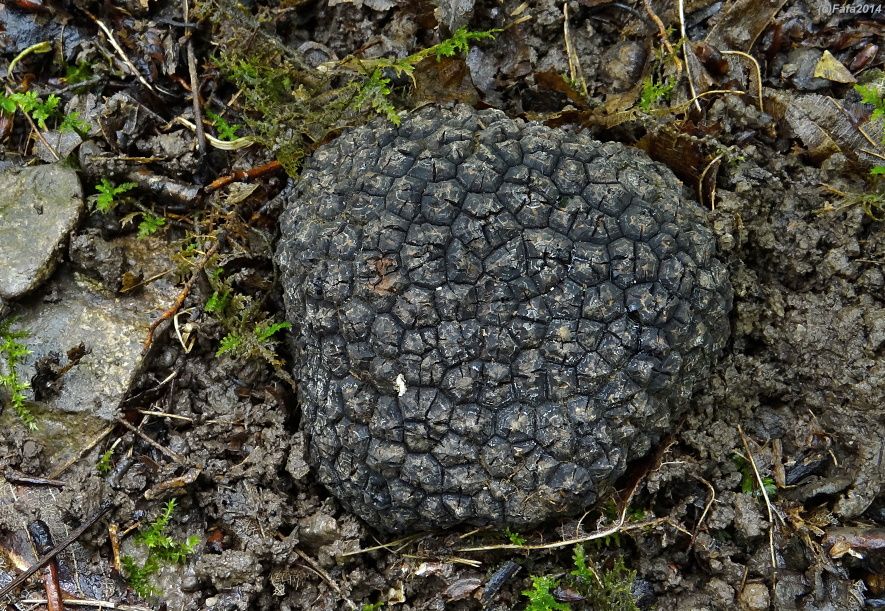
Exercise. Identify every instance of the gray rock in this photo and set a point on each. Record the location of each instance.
(111, 329)
(39, 207)
(755, 597)
(454, 13)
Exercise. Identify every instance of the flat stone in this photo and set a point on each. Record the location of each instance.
(755, 597)
(112, 330)
(39, 207)
(111, 327)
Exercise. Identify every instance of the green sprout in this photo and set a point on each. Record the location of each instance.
(72, 122)
(223, 129)
(874, 95)
(103, 466)
(79, 73)
(261, 336)
(749, 485)
(541, 595)
(150, 224)
(653, 93)
(514, 537)
(108, 192)
(218, 301)
(375, 89)
(31, 104)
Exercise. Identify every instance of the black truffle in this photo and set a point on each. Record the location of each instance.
(493, 317)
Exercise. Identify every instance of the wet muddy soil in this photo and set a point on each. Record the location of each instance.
(796, 403)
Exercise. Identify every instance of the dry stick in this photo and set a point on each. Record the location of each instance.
(325, 577)
(872, 153)
(9, 92)
(574, 62)
(223, 145)
(599, 534)
(42, 541)
(854, 123)
(757, 71)
(173, 455)
(707, 507)
(88, 602)
(385, 546)
(701, 179)
(85, 450)
(236, 175)
(120, 51)
(685, 41)
(662, 32)
(767, 505)
(195, 81)
(44, 560)
(151, 412)
(23, 479)
(185, 291)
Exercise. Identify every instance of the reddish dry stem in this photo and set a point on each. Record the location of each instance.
(179, 301)
(255, 172)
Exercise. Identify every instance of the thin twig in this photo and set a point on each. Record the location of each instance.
(44, 560)
(182, 295)
(171, 454)
(195, 80)
(707, 507)
(120, 51)
(223, 145)
(41, 538)
(83, 451)
(574, 62)
(757, 71)
(848, 116)
(33, 125)
(150, 412)
(685, 42)
(386, 546)
(619, 527)
(771, 523)
(23, 479)
(662, 32)
(88, 602)
(240, 175)
(325, 577)
(872, 153)
(701, 179)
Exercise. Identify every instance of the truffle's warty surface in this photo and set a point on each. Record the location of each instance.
(492, 316)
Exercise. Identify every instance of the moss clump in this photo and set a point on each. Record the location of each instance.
(290, 106)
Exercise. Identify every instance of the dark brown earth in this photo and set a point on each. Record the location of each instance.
(801, 384)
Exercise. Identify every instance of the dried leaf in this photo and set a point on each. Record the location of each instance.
(549, 79)
(447, 79)
(739, 26)
(830, 68)
(825, 127)
(687, 154)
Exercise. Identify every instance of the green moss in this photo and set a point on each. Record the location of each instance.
(12, 351)
(610, 589)
(162, 550)
(290, 106)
